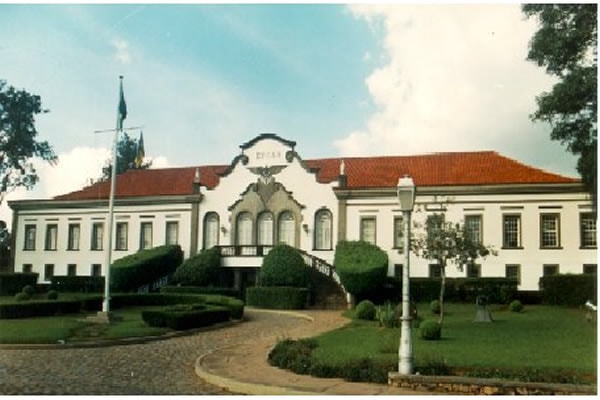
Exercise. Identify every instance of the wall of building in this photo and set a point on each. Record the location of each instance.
(85, 257)
(530, 257)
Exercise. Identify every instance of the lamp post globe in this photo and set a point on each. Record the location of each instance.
(406, 198)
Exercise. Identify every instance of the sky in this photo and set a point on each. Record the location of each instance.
(340, 80)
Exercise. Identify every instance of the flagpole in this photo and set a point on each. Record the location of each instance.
(111, 201)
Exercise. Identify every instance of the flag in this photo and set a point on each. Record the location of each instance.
(122, 110)
(140, 154)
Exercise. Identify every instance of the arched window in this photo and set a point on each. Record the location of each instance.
(244, 229)
(211, 230)
(322, 230)
(287, 228)
(265, 229)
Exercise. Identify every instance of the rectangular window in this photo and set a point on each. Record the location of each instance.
(27, 268)
(473, 228)
(549, 231)
(513, 271)
(96, 270)
(48, 271)
(72, 270)
(30, 231)
(368, 227)
(590, 269)
(172, 232)
(97, 236)
(473, 270)
(145, 235)
(51, 236)
(121, 237)
(550, 269)
(587, 228)
(74, 230)
(511, 235)
(399, 234)
(435, 271)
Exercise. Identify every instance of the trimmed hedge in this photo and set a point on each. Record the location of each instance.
(283, 266)
(13, 283)
(40, 308)
(146, 266)
(186, 319)
(203, 269)
(361, 266)
(497, 290)
(223, 291)
(569, 289)
(277, 297)
(77, 284)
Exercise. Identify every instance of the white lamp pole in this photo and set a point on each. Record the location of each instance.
(406, 198)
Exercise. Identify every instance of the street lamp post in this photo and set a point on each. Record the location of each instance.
(406, 198)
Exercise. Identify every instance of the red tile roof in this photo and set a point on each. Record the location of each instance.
(438, 169)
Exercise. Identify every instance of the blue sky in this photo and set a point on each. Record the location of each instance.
(339, 80)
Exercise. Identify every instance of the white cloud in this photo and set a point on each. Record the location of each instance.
(122, 51)
(73, 172)
(454, 79)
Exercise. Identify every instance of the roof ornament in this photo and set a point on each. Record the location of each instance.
(342, 168)
(196, 182)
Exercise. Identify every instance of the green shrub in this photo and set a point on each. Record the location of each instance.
(388, 316)
(569, 289)
(361, 266)
(283, 266)
(515, 306)
(144, 267)
(52, 295)
(77, 284)
(366, 310)
(22, 296)
(435, 307)
(12, 283)
(277, 297)
(295, 355)
(29, 289)
(200, 270)
(430, 330)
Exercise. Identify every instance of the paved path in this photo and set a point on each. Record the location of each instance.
(163, 367)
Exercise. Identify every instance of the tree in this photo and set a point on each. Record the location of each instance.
(566, 45)
(447, 243)
(127, 150)
(18, 144)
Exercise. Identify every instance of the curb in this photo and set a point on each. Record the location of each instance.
(235, 386)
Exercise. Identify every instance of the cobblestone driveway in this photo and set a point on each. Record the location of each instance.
(163, 367)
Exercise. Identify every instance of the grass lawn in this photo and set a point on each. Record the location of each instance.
(540, 337)
(73, 327)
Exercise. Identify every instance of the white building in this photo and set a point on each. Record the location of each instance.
(539, 222)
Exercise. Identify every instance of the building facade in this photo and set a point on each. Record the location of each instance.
(539, 223)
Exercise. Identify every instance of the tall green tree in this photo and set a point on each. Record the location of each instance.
(566, 45)
(18, 139)
(127, 150)
(446, 243)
